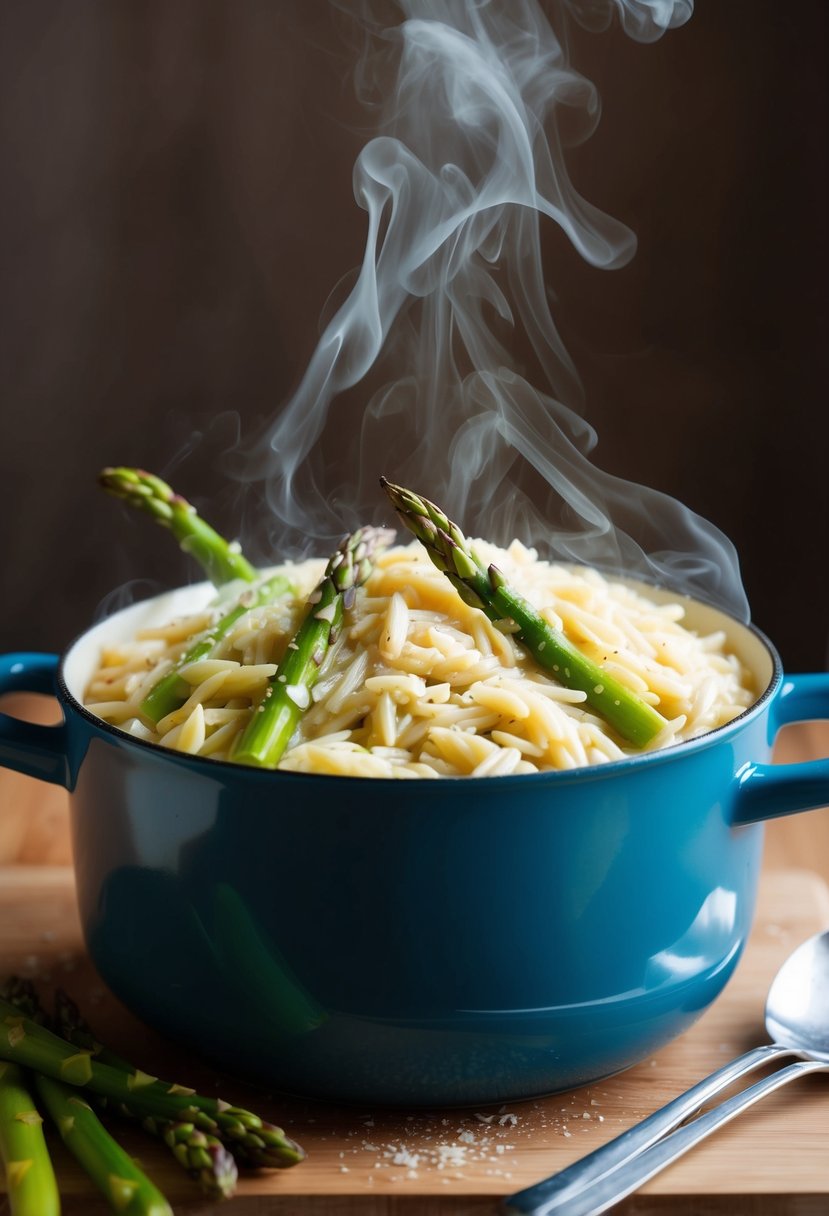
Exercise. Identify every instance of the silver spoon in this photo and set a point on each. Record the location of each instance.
(797, 1019)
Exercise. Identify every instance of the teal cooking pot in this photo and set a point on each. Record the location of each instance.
(455, 941)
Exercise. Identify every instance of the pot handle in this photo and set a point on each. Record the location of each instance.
(769, 790)
(37, 751)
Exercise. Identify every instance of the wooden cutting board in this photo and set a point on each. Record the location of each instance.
(370, 1162)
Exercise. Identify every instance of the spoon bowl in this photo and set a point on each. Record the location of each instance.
(797, 1007)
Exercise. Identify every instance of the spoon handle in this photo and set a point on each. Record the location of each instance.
(613, 1187)
(551, 1194)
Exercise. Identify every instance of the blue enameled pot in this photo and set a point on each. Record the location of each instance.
(421, 942)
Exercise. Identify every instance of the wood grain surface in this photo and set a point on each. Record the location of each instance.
(373, 1162)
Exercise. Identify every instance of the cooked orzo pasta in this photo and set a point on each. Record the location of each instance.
(419, 684)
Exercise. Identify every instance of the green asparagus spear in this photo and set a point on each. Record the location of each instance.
(30, 1179)
(171, 691)
(127, 1189)
(220, 561)
(22, 993)
(200, 1153)
(109, 1167)
(486, 588)
(203, 1156)
(269, 730)
(259, 1143)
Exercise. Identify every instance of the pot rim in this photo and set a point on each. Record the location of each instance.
(584, 772)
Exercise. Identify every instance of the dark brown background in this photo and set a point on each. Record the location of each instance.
(177, 205)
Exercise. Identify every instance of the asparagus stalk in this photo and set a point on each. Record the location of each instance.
(220, 561)
(172, 690)
(30, 1179)
(203, 1156)
(269, 730)
(486, 588)
(259, 1143)
(22, 993)
(113, 1171)
(200, 1153)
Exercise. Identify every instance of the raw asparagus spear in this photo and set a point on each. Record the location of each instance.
(203, 1156)
(200, 1153)
(30, 1179)
(220, 561)
(171, 691)
(127, 1189)
(269, 730)
(259, 1143)
(487, 588)
(22, 993)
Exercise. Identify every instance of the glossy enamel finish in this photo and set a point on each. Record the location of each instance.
(451, 941)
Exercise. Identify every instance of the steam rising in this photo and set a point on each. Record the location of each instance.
(472, 99)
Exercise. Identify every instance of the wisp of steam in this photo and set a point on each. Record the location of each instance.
(467, 161)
